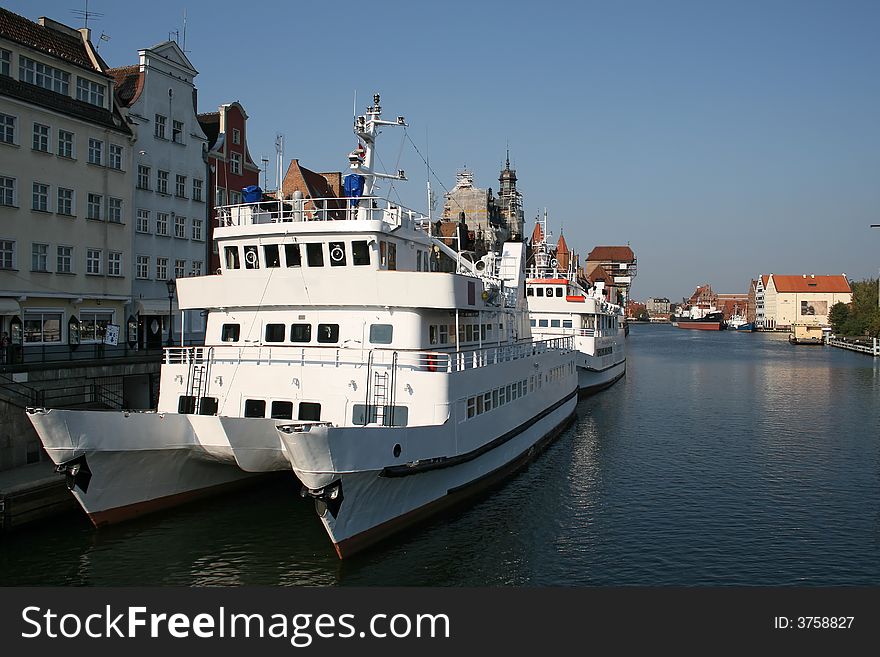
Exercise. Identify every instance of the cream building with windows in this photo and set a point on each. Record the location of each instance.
(800, 299)
(65, 188)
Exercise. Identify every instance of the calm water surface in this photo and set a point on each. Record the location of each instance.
(720, 459)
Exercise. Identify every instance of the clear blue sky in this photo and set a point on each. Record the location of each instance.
(719, 139)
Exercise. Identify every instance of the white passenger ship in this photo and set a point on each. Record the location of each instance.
(559, 305)
(343, 341)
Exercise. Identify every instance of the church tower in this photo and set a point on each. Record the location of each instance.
(510, 201)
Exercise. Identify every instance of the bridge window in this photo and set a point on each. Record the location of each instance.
(554, 323)
(533, 322)
(270, 252)
(360, 252)
(282, 410)
(315, 254)
(251, 258)
(560, 291)
(542, 323)
(230, 332)
(232, 261)
(530, 292)
(292, 255)
(383, 333)
(255, 408)
(566, 323)
(274, 332)
(328, 333)
(300, 332)
(337, 254)
(208, 406)
(539, 291)
(309, 411)
(186, 404)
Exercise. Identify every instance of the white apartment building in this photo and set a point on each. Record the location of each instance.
(169, 188)
(65, 189)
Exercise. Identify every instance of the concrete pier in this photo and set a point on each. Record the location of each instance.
(32, 492)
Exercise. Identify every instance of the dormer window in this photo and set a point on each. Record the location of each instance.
(44, 76)
(90, 92)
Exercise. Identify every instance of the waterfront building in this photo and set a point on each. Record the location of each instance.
(480, 211)
(307, 184)
(619, 262)
(65, 191)
(732, 304)
(170, 209)
(230, 167)
(751, 302)
(760, 287)
(802, 299)
(658, 306)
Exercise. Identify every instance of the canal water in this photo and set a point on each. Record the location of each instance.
(720, 459)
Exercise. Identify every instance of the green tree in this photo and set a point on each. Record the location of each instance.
(838, 316)
(863, 314)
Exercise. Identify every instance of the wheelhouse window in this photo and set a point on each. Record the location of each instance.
(292, 255)
(282, 410)
(539, 292)
(251, 258)
(274, 332)
(360, 252)
(328, 333)
(300, 332)
(255, 408)
(337, 254)
(232, 261)
(560, 291)
(309, 411)
(383, 333)
(270, 253)
(554, 323)
(315, 254)
(230, 332)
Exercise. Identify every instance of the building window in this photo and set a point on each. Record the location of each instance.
(41, 137)
(162, 182)
(93, 261)
(114, 210)
(179, 268)
(114, 263)
(41, 197)
(197, 229)
(93, 325)
(5, 61)
(180, 186)
(197, 268)
(96, 151)
(94, 207)
(43, 76)
(220, 197)
(197, 189)
(180, 227)
(161, 269)
(235, 163)
(143, 180)
(42, 327)
(39, 257)
(90, 92)
(7, 254)
(7, 191)
(234, 197)
(143, 221)
(65, 201)
(65, 144)
(236, 136)
(115, 157)
(161, 121)
(177, 131)
(161, 223)
(142, 269)
(7, 129)
(64, 260)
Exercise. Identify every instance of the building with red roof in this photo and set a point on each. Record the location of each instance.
(800, 299)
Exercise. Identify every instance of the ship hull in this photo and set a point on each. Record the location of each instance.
(698, 325)
(591, 381)
(137, 463)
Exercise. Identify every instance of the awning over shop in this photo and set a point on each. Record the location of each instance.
(9, 307)
(154, 307)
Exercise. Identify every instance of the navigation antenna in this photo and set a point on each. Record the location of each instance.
(279, 160)
(85, 14)
(265, 161)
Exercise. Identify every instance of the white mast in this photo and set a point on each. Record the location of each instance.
(366, 127)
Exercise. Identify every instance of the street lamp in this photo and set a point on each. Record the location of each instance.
(170, 284)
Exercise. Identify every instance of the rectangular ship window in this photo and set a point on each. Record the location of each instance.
(282, 410)
(542, 323)
(328, 333)
(251, 258)
(539, 292)
(300, 332)
(232, 261)
(315, 255)
(554, 323)
(230, 333)
(208, 406)
(255, 408)
(360, 252)
(309, 411)
(274, 332)
(559, 291)
(186, 404)
(337, 254)
(292, 255)
(566, 323)
(270, 252)
(383, 333)
(530, 292)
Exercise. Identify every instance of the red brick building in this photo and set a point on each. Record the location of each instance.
(230, 167)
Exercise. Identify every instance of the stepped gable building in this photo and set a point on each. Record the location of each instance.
(230, 167)
(66, 211)
(802, 299)
(170, 189)
(619, 262)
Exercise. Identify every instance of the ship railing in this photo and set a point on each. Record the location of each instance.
(423, 361)
(342, 208)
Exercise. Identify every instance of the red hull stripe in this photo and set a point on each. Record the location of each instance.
(576, 297)
(702, 326)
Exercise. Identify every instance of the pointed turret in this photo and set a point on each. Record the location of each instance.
(537, 234)
(563, 255)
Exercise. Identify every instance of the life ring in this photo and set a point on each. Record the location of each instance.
(250, 257)
(431, 362)
(337, 254)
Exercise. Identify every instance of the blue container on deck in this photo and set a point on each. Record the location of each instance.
(252, 194)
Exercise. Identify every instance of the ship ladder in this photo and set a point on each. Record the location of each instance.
(380, 396)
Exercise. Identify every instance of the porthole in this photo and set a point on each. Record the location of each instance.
(396, 451)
